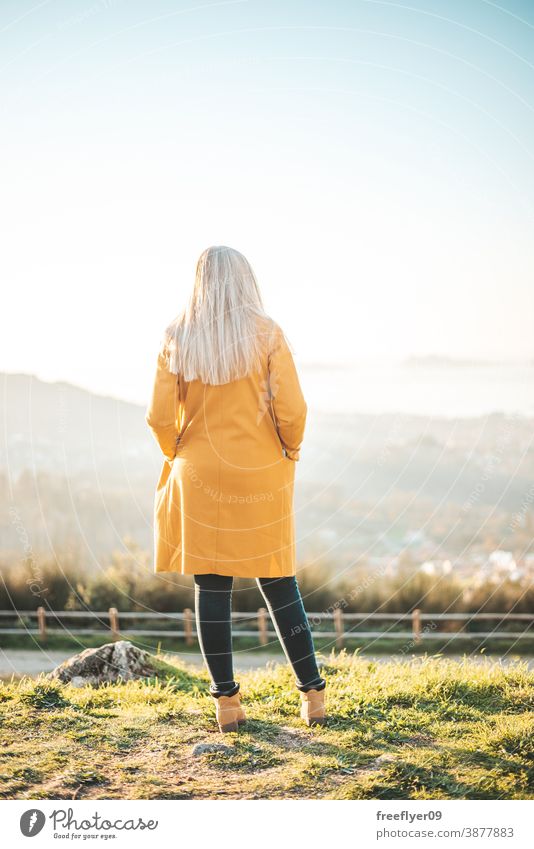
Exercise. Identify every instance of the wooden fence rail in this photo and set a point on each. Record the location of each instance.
(423, 625)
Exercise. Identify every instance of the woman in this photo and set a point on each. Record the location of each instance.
(228, 413)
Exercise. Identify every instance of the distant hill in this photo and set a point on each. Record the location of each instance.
(61, 428)
(78, 471)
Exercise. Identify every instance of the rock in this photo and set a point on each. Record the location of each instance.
(120, 661)
(207, 748)
(383, 759)
(77, 680)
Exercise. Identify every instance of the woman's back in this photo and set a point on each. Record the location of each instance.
(238, 422)
(224, 499)
(228, 413)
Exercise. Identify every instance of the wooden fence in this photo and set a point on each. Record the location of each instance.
(419, 626)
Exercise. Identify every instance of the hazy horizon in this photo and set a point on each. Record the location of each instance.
(425, 388)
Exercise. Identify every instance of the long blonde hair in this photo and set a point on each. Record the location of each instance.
(215, 339)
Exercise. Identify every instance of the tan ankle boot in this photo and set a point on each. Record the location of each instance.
(312, 710)
(229, 712)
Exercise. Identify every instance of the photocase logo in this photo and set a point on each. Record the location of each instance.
(32, 822)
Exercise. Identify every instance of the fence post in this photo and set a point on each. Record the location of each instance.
(262, 626)
(188, 626)
(416, 625)
(338, 625)
(41, 620)
(114, 622)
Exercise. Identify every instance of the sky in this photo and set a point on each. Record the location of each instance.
(372, 159)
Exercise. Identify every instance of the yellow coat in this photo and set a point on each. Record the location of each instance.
(224, 498)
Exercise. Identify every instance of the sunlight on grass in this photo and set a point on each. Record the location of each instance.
(429, 728)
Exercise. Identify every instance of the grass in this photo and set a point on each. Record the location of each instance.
(426, 728)
(375, 646)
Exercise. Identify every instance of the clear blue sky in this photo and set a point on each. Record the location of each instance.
(373, 159)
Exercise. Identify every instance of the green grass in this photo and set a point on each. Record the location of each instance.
(427, 728)
(375, 646)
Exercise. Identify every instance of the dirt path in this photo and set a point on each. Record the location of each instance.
(20, 662)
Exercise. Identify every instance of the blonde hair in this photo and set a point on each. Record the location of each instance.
(215, 339)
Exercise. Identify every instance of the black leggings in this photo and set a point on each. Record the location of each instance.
(213, 604)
